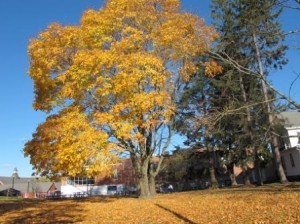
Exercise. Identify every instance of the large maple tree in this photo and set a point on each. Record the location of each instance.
(114, 80)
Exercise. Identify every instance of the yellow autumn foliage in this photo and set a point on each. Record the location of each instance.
(122, 64)
(66, 143)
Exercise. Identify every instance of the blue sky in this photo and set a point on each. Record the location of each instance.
(22, 20)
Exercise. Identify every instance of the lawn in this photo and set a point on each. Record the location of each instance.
(275, 204)
(5, 198)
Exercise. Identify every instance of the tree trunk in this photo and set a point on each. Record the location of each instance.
(233, 179)
(249, 131)
(274, 140)
(143, 183)
(259, 180)
(141, 169)
(247, 178)
(152, 187)
(277, 160)
(232, 175)
(213, 179)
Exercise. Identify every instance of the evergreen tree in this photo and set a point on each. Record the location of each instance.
(252, 38)
(194, 119)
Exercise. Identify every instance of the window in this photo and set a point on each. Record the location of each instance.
(81, 180)
(112, 188)
(292, 160)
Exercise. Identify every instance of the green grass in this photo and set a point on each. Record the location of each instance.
(5, 198)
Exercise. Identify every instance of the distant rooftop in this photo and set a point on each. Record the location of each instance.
(8, 180)
(291, 118)
(26, 183)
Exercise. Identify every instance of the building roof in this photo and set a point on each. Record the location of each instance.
(39, 187)
(26, 184)
(8, 180)
(291, 118)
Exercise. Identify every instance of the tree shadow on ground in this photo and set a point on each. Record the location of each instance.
(181, 217)
(41, 211)
(47, 210)
(15, 205)
(56, 210)
(102, 199)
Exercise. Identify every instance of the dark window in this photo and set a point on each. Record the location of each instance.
(81, 180)
(292, 160)
(112, 188)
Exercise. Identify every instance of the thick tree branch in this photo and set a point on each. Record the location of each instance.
(165, 147)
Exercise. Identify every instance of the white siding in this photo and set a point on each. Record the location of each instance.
(289, 168)
(70, 190)
(98, 190)
(293, 135)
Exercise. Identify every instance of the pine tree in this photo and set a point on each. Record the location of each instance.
(252, 38)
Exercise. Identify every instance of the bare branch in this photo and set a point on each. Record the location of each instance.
(297, 76)
(285, 4)
(227, 59)
(165, 147)
(234, 111)
(292, 32)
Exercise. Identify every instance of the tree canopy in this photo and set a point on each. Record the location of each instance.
(114, 80)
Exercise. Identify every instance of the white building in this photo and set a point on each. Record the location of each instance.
(290, 155)
(123, 181)
(72, 187)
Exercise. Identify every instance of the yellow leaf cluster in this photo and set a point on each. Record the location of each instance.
(212, 68)
(66, 143)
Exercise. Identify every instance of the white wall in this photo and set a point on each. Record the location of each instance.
(290, 170)
(292, 132)
(98, 190)
(70, 190)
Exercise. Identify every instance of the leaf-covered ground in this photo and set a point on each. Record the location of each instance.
(240, 205)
